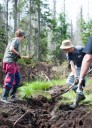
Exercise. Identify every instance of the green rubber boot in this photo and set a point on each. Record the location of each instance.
(13, 94)
(5, 95)
(78, 99)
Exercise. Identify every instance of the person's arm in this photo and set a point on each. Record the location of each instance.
(84, 68)
(17, 53)
(73, 68)
(85, 65)
(14, 51)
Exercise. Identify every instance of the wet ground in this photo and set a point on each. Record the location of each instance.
(39, 112)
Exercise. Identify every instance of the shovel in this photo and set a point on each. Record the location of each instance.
(57, 95)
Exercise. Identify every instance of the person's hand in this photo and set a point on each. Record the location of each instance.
(19, 56)
(81, 84)
(26, 57)
(76, 81)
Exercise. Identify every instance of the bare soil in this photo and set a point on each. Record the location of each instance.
(39, 112)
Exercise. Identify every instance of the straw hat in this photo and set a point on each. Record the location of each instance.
(66, 44)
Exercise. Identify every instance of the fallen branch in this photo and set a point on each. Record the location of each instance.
(21, 117)
(46, 77)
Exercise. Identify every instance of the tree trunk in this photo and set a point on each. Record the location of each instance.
(38, 42)
(30, 28)
(6, 21)
(15, 15)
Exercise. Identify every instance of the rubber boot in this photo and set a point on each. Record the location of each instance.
(5, 94)
(78, 99)
(12, 93)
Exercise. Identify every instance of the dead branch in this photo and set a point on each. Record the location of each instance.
(21, 117)
(47, 78)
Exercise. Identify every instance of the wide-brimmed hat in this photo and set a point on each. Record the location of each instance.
(66, 44)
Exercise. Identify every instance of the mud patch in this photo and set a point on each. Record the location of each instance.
(37, 113)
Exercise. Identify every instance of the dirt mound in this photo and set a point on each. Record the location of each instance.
(39, 112)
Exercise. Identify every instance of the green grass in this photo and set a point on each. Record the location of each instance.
(58, 82)
(89, 81)
(70, 96)
(25, 91)
(35, 88)
(0, 90)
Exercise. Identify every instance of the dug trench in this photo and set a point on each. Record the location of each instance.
(39, 112)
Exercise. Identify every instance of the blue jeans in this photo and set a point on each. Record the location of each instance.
(70, 81)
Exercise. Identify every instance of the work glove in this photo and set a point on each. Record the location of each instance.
(76, 80)
(81, 84)
(27, 57)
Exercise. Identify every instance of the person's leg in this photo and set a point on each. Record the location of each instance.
(15, 83)
(79, 94)
(79, 91)
(70, 81)
(5, 94)
(8, 81)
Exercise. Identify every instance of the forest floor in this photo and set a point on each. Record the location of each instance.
(39, 112)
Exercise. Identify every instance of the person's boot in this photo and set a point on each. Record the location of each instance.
(13, 93)
(78, 99)
(5, 94)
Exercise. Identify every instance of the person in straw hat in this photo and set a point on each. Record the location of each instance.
(74, 56)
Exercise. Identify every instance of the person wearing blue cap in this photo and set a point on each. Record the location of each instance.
(10, 66)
